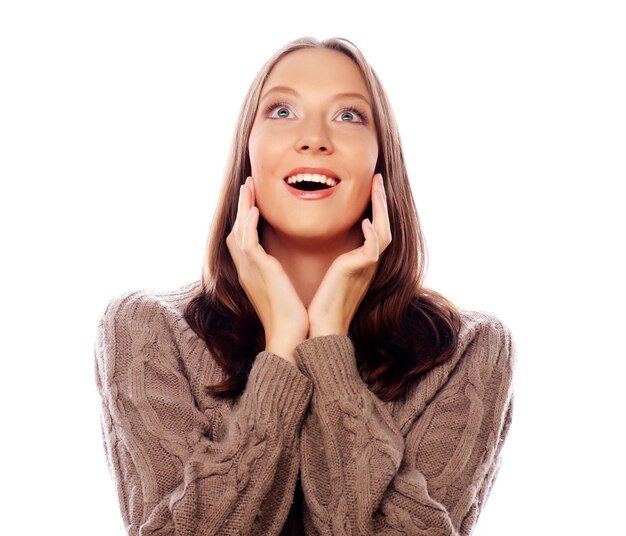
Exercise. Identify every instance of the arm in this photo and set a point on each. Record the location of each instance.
(178, 470)
(364, 472)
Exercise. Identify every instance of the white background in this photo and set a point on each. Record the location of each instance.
(115, 122)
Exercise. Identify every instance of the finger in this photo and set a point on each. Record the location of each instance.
(246, 200)
(380, 213)
(242, 212)
(250, 239)
(371, 247)
(250, 185)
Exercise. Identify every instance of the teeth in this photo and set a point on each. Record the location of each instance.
(311, 177)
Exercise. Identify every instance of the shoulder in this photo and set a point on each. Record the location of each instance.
(484, 345)
(145, 305)
(156, 310)
(482, 366)
(482, 320)
(485, 356)
(486, 336)
(145, 324)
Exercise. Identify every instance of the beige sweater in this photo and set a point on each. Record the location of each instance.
(304, 450)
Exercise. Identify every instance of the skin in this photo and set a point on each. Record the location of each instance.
(314, 261)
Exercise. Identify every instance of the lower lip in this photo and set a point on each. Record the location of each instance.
(311, 196)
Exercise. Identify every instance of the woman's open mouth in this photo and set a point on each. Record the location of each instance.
(311, 186)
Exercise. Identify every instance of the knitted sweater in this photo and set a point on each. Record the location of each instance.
(305, 449)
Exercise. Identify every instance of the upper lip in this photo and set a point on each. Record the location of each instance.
(313, 170)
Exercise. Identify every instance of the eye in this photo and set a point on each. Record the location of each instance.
(277, 110)
(352, 114)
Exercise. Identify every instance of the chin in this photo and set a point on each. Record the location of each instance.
(309, 232)
(314, 232)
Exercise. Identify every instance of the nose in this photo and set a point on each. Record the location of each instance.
(314, 138)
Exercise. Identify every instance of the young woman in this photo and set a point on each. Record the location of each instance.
(308, 383)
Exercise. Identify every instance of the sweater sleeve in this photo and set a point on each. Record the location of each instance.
(362, 473)
(181, 471)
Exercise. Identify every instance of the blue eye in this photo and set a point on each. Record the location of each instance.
(351, 112)
(281, 110)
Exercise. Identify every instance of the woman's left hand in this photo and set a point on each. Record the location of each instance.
(350, 275)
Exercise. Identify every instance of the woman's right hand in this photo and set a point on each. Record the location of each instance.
(269, 289)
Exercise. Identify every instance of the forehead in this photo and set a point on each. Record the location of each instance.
(319, 68)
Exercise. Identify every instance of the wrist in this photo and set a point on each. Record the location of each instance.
(286, 351)
(329, 329)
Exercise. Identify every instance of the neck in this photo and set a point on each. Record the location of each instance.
(306, 260)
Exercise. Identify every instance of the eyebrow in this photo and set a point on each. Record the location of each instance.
(286, 89)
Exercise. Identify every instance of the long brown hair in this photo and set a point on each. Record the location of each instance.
(400, 329)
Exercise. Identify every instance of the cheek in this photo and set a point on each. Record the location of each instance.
(255, 150)
(363, 153)
(365, 197)
(263, 150)
(369, 158)
(371, 153)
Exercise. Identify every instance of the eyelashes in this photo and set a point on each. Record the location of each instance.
(272, 106)
(351, 109)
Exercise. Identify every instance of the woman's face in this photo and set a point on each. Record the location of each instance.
(315, 112)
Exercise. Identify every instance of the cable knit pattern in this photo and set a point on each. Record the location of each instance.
(304, 450)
